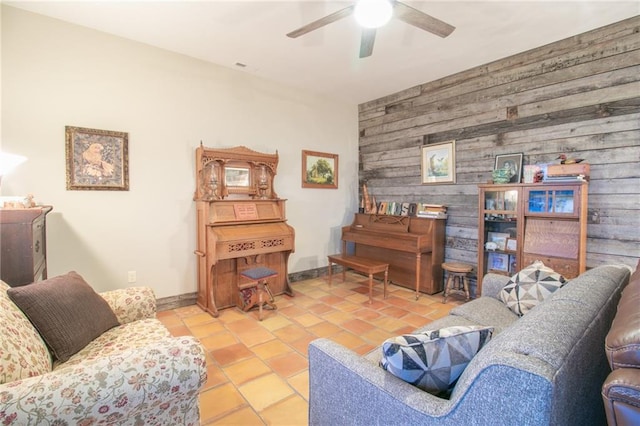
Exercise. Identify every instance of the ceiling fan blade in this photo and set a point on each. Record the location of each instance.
(366, 42)
(421, 20)
(321, 22)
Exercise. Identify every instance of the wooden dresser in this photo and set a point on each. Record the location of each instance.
(23, 245)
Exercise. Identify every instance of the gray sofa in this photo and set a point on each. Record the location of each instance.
(545, 368)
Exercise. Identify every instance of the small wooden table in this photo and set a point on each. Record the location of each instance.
(360, 264)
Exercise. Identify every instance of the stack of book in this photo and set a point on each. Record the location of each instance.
(559, 173)
(436, 211)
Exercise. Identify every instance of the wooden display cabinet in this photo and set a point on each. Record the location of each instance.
(529, 222)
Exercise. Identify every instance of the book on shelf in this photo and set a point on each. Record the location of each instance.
(433, 215)
(564, 179)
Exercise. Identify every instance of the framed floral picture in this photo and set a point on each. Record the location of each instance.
(96, 159)
(439, 163)
(319, 170)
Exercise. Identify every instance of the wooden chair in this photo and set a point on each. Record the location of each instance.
(261, 295)
(458, 282)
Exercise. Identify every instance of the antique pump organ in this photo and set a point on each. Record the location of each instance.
(241, 224)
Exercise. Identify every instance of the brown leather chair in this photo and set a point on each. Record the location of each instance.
(621, 389)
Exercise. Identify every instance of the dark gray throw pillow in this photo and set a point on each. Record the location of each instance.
(66, 311)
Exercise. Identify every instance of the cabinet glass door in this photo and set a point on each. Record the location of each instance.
(561, 201)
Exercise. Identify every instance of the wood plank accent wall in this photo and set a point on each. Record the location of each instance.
(579, 96)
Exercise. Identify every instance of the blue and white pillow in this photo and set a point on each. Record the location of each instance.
(530, 287)
(434, 360)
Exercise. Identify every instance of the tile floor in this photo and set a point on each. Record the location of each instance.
(258, 370)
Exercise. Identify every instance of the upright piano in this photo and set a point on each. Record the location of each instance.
(241, 224)
(413, 247)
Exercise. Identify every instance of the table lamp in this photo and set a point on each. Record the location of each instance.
(8, 162)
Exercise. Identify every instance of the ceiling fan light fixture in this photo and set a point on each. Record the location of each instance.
(373, 13)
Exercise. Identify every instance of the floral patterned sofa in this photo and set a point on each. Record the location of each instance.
(134, 373)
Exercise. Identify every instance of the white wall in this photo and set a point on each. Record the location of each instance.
(56, 74)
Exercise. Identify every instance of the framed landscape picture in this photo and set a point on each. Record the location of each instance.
(319, 170)
(439, 163)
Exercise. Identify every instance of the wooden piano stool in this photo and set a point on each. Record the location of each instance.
(360, 264)
(262, 295)
(457, 273)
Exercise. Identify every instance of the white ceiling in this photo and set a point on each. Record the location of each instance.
(326, 61)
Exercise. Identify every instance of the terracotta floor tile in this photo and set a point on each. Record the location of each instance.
(169, 318)
(292, 311)
(198, 319)
(377, 336)
(179, 330)
(271, 349)
(258, 370)
(265, 391)
(274, 322)
(320, 308)
(215, 376)
(291, 333)
(288, 364)
(217, 401)
(230, 354)
(348, 340)
(243, 417)
(243, 324)
(415, 320)
(300, 382)
(350, 306)
(302, 345)
(229, 315)
(367, 314)
(388, 323)
(324, 329)
(338, 317)
(307, 320)
(255, 336)
(394, 311)
(218, 341)
(292, 411)
(246, 370)
(332, 300)
(207, 329)
(357, 326)
(186, 311)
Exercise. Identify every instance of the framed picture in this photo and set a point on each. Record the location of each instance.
(97, 159)
(512, 244)
(512, 162)
(499, 238)
(439, 163)
(319, 170)
(498, 262)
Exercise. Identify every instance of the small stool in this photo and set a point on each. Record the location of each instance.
(258, 278)
(457, 281)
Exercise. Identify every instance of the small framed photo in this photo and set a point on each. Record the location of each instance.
(511, 162)
(512, 244)
(97, 159)
(498, 262)
(319, 170)
(439, 163)
(499, 238)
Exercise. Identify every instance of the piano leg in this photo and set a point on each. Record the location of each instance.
(418, 273)
(212, 299)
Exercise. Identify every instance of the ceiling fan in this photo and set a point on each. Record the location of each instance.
(384, 7)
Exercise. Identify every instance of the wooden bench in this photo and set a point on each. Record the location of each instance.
(360, 264)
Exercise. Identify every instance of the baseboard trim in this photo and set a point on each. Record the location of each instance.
(173, 302)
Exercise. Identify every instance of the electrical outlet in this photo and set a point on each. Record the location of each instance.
(132, 276)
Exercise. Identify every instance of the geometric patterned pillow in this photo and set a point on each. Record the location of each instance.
(434, 360)
(530, 287)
